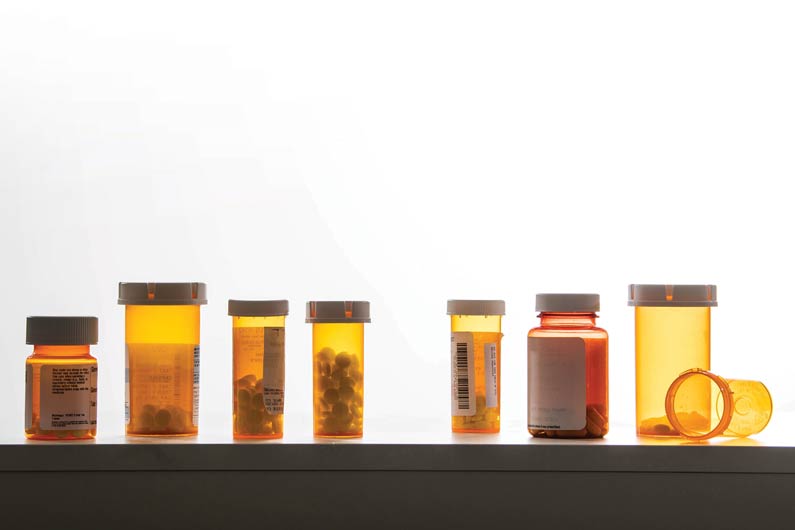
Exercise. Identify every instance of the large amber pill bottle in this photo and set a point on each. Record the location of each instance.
(338, 367)
(257, 368)
(61, 379)
(567, 384)
(475, 337)
(162, 323)
(672, 335)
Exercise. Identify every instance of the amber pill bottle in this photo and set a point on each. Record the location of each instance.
(672, 335)
(475, 338)
(61, 379)
(567, 383)
(258, 368)
(338, 366)
(161, 331)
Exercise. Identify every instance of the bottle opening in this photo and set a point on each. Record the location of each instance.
(699, 404)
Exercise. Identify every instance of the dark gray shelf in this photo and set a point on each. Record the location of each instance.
(582, 457)
(481, 482)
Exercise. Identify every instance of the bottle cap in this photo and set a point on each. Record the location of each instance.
(701, 405)
(258, 308)
(567, 303)
(475, 307)
(331, 312)
(658, 295)
(187, 293)
(62, 331)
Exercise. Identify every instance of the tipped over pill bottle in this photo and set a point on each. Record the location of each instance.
(257, 368)
(672, 335)
(61, 379)
(162, 357)
(475, 337)
(567, 385)
(338, 366)
(701, 405)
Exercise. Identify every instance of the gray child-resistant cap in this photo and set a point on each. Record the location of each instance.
(62, 331)
(476, 307)
(333, 312)
(567, 303)
(258, 308)
(661, 295)
(187, 293)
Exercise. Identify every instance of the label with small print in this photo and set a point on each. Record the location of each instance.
(28, 396)
(196, 385)
(273, 370)
(68, 398)
(490, 361)
(462, 359)
(163, 375)
(556, 383)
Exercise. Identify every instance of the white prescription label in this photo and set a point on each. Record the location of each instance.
(28, 396)
(462, 355)
(556, 383)
(273, 370)
(68, 397)
(490, 361)
(196, 385)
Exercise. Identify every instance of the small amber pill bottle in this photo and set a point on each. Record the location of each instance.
(475, 336)
(161, 333)
(338, 366)
(257, 368)
(567, 369)
(61, 379)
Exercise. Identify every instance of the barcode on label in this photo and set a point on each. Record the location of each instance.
(463, 395)
(462, 369)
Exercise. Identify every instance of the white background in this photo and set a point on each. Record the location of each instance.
(403, 153)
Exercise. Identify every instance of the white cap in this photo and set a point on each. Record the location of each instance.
(567, 303)
(337, 312)
(659, 295)
(258, 308)
(476, 307)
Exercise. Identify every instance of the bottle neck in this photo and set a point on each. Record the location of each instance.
(79, 350)
(568, 320)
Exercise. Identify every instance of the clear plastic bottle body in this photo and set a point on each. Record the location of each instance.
(338, 376)
(254, 416)
(57, 357)
(162, 347)
(486, 331)
(668, 341)
(595, 339)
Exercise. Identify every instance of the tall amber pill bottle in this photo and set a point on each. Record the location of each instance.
(338, 367)
(475, 337)
(567, 384)
(672, 335)
(162, 323)
(61, 379)
(258, 368)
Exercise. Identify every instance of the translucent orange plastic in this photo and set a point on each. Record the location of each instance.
(338, 379)
(668, 341)
(485, 329)
(251, 418)
(701, 405)
(55, 356)
(162, 342)
(582, 325)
